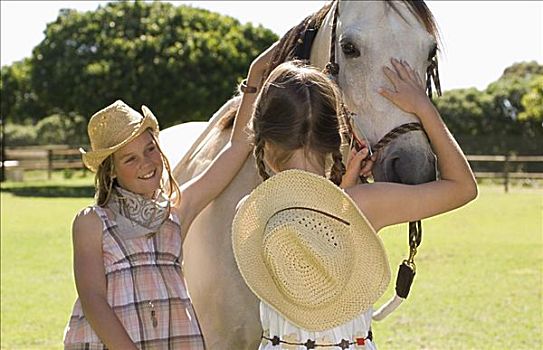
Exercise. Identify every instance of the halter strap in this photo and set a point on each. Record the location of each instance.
(385, 140)
(332, 67)
(394, 133)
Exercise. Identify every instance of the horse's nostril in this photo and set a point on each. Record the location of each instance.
(414, 169)
(406, 167)
(396, 166)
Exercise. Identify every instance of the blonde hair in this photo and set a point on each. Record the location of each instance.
(298, 108)
(105, 178)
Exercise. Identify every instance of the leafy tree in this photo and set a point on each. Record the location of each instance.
(19, 101)
(464, 110)
(62, 129)
(501, 119)
(508, 92)
(532, 101)
(182, 62)
(524, 70)
(19, 135)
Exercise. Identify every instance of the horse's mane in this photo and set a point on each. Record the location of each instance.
(283, 52)
(287, 44)
(423, 13)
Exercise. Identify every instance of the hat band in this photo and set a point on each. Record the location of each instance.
(310, 209)
(311, 344)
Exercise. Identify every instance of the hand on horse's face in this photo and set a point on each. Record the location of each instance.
(408, 94)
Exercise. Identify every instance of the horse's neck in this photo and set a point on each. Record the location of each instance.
(321, 45)
(180, 172)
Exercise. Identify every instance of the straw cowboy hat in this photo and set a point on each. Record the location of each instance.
(303, 247)
(114, 127)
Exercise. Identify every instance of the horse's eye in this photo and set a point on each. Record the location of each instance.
(350, 50)
(433, 52)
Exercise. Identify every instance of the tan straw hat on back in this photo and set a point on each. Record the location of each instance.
(303, 247)
(114, 127)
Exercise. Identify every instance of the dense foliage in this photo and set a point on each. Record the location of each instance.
(181, 61)
(506, 116)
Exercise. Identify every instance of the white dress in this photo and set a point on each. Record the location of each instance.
(274, 324)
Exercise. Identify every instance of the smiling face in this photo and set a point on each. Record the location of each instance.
(138, 166)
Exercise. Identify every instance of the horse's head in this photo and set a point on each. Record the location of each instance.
(368, 34)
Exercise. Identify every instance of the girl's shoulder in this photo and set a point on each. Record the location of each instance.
(89, 219)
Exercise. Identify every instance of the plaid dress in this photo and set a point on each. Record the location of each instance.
(145, 289)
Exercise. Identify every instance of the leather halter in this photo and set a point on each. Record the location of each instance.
(332, 68)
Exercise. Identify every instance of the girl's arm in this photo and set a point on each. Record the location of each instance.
(198, 192)
(388, 203)
(90, 280)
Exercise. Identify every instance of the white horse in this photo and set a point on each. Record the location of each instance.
(368, 34)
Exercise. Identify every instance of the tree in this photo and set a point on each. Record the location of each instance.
(19, 101)
(506, 117)
(464, 111)
(62, 129)
(182, 62)
(508, 92)
(532, 102)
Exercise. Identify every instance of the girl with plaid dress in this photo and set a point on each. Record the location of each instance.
(128, 246)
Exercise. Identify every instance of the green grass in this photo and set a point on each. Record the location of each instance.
(37, 285)
(478, 284)
(479, 277)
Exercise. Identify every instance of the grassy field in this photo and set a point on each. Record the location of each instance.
(478, 285)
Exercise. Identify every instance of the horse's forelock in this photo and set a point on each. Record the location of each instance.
(421, 11)
(283, 52)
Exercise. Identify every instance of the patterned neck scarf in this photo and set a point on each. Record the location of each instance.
(136, 215)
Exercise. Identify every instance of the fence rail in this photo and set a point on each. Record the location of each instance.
(54, 157)
(506, 174)
(49, 158)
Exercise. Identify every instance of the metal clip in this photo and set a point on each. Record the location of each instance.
(153, 315)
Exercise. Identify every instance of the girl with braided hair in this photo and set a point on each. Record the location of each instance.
(298, 238)
(296, 118)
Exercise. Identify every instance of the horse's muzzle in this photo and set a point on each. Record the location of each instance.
(401, 162)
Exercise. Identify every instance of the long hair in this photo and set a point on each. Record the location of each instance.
(298, 108)
(104, 180)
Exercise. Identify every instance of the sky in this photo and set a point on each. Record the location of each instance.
(481, 38)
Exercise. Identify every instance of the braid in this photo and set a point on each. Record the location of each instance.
(259, 156)
(338, 169)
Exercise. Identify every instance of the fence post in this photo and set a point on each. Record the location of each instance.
(2, 152)
(506, 173)
(49, 164)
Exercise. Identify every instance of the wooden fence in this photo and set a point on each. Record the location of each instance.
(49, 158)
(55, 157)
(506, 174)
